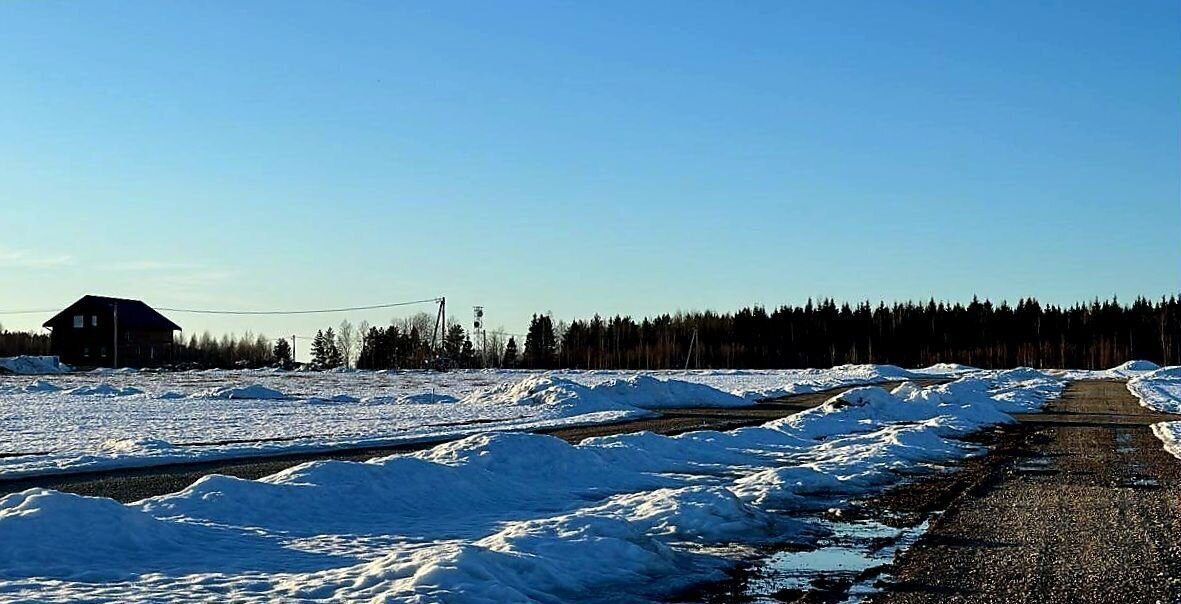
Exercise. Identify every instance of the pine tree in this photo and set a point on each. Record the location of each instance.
(467, 354)
(319, 350)
(282, 353)
(540, 344)
(453, 342)
(333, 358)
(510, 354)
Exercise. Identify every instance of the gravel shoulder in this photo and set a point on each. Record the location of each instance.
(133, 484)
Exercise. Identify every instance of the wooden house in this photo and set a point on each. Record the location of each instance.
(97, 331)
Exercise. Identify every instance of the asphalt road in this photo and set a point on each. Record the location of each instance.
(1079, 504)
(137, 483)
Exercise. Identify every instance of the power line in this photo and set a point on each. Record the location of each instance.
(27, 312)
(296, 312)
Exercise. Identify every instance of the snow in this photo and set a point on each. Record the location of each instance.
(1159, 390)
(502, 517)
(254, 391)
(32, 365)
(1123, 371)
(206, 415)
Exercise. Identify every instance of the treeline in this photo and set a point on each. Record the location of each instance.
(18, 343)
(1097, 335)
(230, 351)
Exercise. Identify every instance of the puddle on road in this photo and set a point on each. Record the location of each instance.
(1139, 482)
(1035, 465)
(1123, 442)
(841, 568)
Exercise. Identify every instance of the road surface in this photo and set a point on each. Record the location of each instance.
(1079, 504)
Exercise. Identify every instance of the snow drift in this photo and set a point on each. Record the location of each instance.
(32, 365)
(1159, 389)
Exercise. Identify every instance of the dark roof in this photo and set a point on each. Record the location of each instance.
(133, 314)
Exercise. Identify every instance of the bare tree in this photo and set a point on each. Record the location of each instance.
(496, 342)
(346, 340)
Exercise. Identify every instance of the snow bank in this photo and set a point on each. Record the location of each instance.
(816, 380)
(1169, 433)
(1123, 371)
(104, 390)
(648, 392)
(32, 365)
(1159, 390)
(632, 396)
(254, 391)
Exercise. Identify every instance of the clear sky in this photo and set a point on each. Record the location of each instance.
(582, 157)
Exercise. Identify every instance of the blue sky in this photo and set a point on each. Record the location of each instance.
(612, 157)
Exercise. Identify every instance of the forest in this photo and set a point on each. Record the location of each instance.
(1097, 335)
(1094, 335)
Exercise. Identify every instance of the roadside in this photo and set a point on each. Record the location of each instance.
(1079, 503)
(133, 484)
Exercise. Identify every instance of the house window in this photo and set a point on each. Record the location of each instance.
(85, 351)
(79, 321)
(102, 352)
(94, 320)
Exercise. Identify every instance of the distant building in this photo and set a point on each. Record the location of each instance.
(84, 333)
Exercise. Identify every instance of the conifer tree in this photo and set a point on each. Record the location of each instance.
(510, 354)
(282, 353)
(319, 350)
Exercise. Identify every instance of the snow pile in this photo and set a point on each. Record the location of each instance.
(648, 392)
(815, 380)
(254, 391)
(565, 396)
(31, 365)
(503, 516)
(1123, 371)
(104, 390)
(1131, 368)
(41, 386)
(1159, 390)
(946, 369)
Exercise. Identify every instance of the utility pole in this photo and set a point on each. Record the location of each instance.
(293, 350)
(692, 348)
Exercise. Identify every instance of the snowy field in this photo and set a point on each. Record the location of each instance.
(70, 422)
(499, 517)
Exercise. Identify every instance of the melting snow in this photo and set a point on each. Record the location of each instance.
(502, 517)
(209, 415)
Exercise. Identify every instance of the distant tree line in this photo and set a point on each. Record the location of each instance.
(227, 352)
(18, 343)
(1097, 335)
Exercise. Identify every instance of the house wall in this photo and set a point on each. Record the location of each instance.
(93, 344)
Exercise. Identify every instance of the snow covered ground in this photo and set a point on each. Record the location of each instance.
(1160, 390)
(1123, 371)
(105, 419)
(27, 365)
(503, 517)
